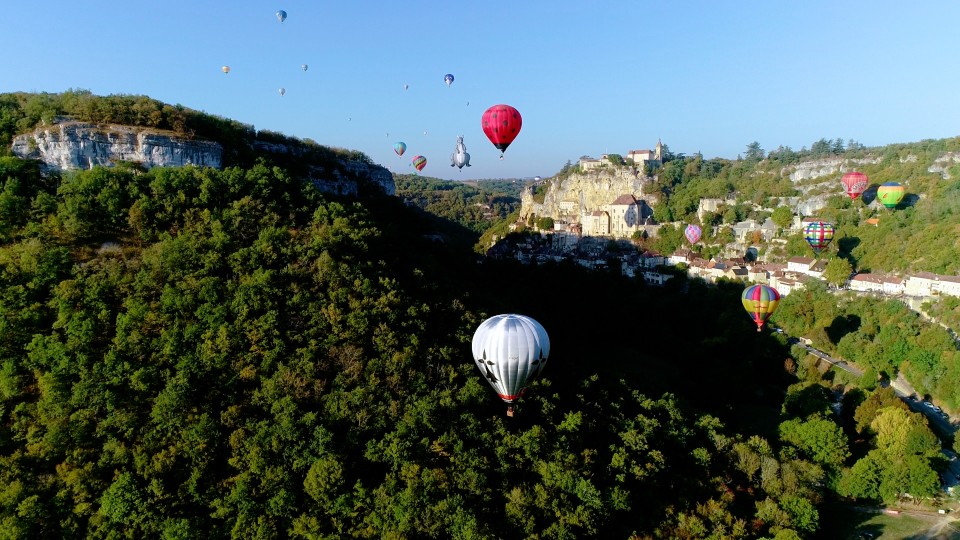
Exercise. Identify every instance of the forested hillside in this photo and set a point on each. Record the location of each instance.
(916, 236)
(201, 353)
(194, 353)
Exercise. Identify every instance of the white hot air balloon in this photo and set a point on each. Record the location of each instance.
(510, 351)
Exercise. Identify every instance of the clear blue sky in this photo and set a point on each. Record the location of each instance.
(587, 77)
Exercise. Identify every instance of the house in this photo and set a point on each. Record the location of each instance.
(757, 274)
(655, 278)
(866, 283)
(567, 207)
(930, 284)
(642, 157)
(624, 216)
(651, 259)
(743, 231)
(587, 163)
(892, 285)
(596, 223)
(682, 255)
(787, 282)
(817, 269)
(799, 264)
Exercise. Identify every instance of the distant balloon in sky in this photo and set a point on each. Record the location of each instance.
(890, 194)
(281, 15)
(501, 124)
(693, 233)
(510, 351)
(282, 91)
(760, 301)
(855, 184)
(819, 235)
(406, 87)
(468, 104)
(225, 69)
(304, 67)
(400, 147)
(419, 162)
(448, 78)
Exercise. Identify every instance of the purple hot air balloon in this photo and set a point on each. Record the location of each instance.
(693, 233)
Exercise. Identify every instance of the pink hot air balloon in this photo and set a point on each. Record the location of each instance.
(419, 162)
(855, 183)
(693, 233)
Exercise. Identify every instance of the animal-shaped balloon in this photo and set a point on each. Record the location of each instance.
(460, 157)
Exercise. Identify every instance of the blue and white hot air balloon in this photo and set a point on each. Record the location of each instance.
(448, 78)
(510, 351)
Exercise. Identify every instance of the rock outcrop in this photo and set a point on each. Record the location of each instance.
(79, 145)
(594, 190)
(73, 145)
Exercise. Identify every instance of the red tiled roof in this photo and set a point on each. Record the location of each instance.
(625, 200)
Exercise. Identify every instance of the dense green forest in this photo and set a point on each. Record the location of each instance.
(200, 353)
(475, 206)
(193, 353)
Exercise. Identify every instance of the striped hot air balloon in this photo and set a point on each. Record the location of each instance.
(890, 194)
(400, 147)
(419, 162)
(760, 301)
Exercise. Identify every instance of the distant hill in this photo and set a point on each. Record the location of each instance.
(76, 130)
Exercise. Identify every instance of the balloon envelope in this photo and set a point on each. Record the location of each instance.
(890, 194)
(281, 15)
(855, 183)
(304, 67)
(282, 91)
(693, 233)
(448, 78)
(400, 147)
(501, 124)
(510, 351)
(818, 234)
(760, 301)
(419, 162)
(225, 69)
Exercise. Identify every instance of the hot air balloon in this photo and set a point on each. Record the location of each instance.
(282, 91)
(225, 69)
(406, 87)
(400, 147)
(419, 162)
(448, 78)
(890, 194)
(818, 234)
(281, 15)
(693, 233)
(855, 183)
(501, 124)
(460, 157)
(304, 67)
(760, 301)
(510, 350)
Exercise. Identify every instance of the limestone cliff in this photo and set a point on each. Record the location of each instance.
(594, 189)
(79, 145)
(70, 145)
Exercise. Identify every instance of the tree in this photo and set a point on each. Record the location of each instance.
(615, 159)
(754, 152)
(782, 216)
(838, 271)
(819, 438)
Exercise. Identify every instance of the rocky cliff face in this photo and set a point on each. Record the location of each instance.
(78, 145)
(595, 189)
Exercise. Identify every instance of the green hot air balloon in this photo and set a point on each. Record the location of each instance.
(890, 194)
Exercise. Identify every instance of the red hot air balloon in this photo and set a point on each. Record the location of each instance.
(419, 162)
(501, 124)
(855, 183)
